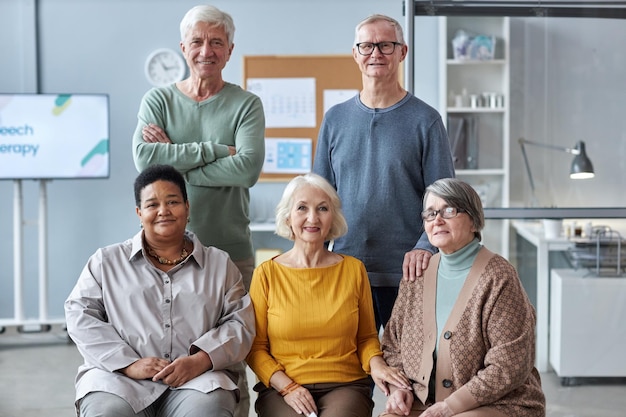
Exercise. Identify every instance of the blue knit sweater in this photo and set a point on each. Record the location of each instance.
(380, 161)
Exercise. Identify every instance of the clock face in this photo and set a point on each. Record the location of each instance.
(164, 66)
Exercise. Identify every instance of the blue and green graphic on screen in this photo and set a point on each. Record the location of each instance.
(54, 136)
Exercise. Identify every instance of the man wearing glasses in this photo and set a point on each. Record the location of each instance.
(380, 150)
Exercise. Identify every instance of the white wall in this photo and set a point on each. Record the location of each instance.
(568, 85)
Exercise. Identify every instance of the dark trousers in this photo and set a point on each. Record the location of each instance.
(383, 298)
(349, 399)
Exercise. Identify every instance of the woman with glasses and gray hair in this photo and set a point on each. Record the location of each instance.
(464, 333)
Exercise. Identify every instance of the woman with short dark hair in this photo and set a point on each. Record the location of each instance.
(159, 319)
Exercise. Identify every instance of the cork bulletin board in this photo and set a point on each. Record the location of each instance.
(329, 72)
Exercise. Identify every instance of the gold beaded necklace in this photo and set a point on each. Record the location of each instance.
(165, 261)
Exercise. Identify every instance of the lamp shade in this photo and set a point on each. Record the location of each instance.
(582, 167)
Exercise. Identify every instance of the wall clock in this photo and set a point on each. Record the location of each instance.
(164, 66)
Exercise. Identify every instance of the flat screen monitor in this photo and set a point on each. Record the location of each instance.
(54, 136)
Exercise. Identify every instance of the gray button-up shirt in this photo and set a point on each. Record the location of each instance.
(123, 308)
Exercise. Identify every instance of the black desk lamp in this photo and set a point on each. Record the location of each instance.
(581, 168)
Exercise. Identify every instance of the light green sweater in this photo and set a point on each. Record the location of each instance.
(217, 183)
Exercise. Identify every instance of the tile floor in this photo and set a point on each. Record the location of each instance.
(37, 375)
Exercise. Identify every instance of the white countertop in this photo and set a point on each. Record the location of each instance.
(262, 227)
(532, 230)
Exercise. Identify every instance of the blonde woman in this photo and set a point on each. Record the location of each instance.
(316, 348)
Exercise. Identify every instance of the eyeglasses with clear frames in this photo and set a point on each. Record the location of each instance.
(446, 213)
(385, 48)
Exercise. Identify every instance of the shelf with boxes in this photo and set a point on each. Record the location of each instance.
(473, 101)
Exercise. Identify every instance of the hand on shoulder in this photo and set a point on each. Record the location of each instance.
(414, 264)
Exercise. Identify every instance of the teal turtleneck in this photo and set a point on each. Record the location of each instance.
(453, 269)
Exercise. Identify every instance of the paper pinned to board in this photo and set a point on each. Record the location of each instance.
(287, 102)
(288, 155)
(336, 96)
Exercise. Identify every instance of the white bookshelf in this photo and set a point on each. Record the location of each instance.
(486, 165)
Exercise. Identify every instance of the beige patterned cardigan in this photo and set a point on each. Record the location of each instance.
(487, 348)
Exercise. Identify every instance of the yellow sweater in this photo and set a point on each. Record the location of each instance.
(316, 324)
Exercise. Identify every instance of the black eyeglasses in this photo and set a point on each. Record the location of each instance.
(385, 48)
(446, 213)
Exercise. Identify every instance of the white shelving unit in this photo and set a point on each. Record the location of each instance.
(484, 163)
